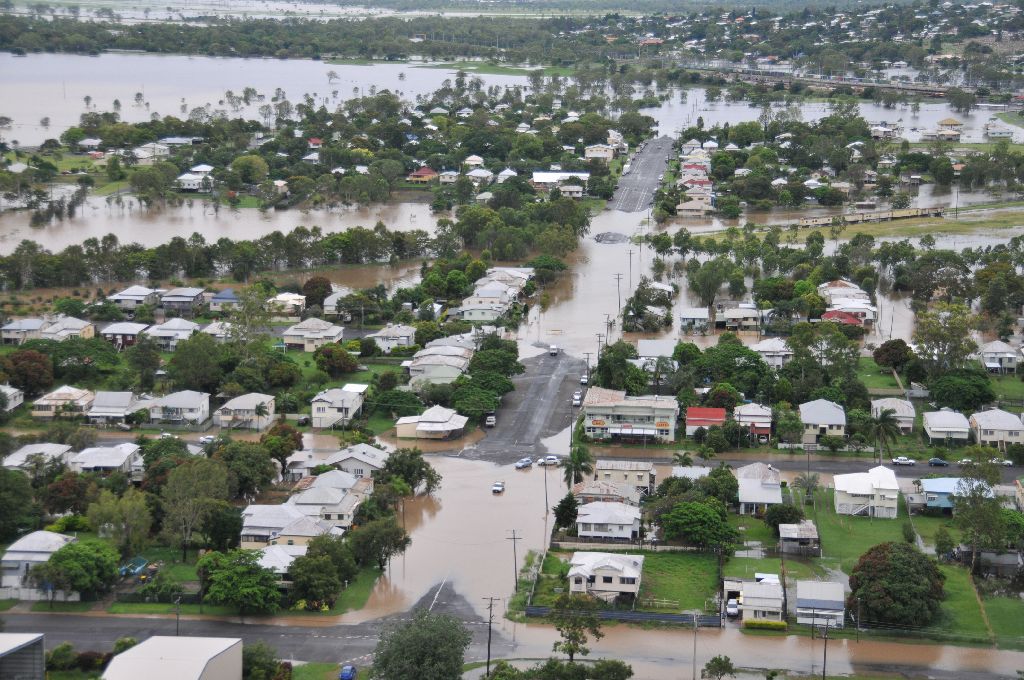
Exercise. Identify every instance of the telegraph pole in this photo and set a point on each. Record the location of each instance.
(618, 289)
(600, 337)
(587, 355)
(695, 645)
(630, 251)
(490, 621)
(824, 660)
(515, 559)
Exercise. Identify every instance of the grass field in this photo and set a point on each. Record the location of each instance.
(688, 578)
(752, 529)
(161, 608)
(846, 538)
(1005, 615)
(746, 567)
(358, 592)
(1008, 386)
(961, 612)
(872, 375)
(927, 526)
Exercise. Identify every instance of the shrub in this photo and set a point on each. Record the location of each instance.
(90, 661)
(61, 658)
(70, 523)
(754, 624)
(908, 533)
(124, 644)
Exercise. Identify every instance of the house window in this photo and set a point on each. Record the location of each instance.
(627, 580)
(600, 527)
(1015, 433)
(578, 580)
(358, 472)
(291, 542)
(987, 432)
(327, 516)
(606, 579)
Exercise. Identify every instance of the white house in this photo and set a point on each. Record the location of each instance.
(359, 460)
(240, 412)
(311, 334)
(287, 304)
(904, 411)
(610, 414)
(759, 487)
(820, 603)
(998, 357)
(822, 417)
(756, 417)
(601, 152)
(694, 319)
(606, 575)
(261, 522)
(65, 400)
(28, 551)
(439, 365)
(874, 493)
(123, 334)
(775, 352)
(639, 474)
(762, 601)
(187, 407)
(219, 330)
(338, 405)
(997, 428)
(22, 458)
(113, 407)
(392, 336)
(20, 331)
(168, 334)
(135, 296)
(62, 327)
(14, 396)
(946, 424)
(190, 181)
(608, 521)
(125, 458)
(437, 422)
(179, 658)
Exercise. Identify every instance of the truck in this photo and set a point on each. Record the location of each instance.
(902, 460)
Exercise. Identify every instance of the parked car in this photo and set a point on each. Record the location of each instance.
(1006, 462)
(168, 435)
(965, 461)
(549, 460)
(732, 609)
(553, 350)
(584, 380)
(902, 460)
(303, 420)
(490, 421)
(207, 439)
(348, 672)
(938, 462)
(524, 463)
(498, 487)
(124, 427)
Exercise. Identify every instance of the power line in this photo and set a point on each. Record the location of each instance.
(515, 559)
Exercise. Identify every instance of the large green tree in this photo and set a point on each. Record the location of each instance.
(701, 524)
(428, 646)
(196, 364)
(236, 579)
(18, 513)
(575, 618)
(943, 337)
(250, 467)
(88, 567)
(315, 580)
(895, 583)
(126, 519)
(378, 541)
(187, 498)
(411, 467)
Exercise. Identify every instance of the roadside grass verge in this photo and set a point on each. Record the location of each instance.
(7, 604)
(168, 608)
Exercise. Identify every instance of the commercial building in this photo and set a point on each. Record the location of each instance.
(610, 414)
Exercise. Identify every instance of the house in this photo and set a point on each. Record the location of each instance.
(571, 191)
(610, 414)
(633, 472)
(599, 152)
(262, 522)
(762, 601)
(286, 304)
(13, 397)
(998, 357)
(608, 521)
(220, 330)
(223, 300)
(183, 301)
(759, 487)
(168, 334)
(775, 352)
(437, 422)
(903, 411)
(997, 428)
(860, 309)
(61, 327)
(278, 558)
(481, 177)
(113, 407)
(701, 417)
(820, 603)
(63, 401)
(179, 658)
(546, 180)
(821, 418)
(422, 175)
(184, 408)
(937, 493)
(698, 206)
(338, 405)
(874, 493)
(392, 336)
(992, 563)
(135, 296)
(125, 458)
(597, 491)
(359, 460)
(22, 330)
(800, 539)
(744, 317)
(302, 530)
(23, 458)
(606, 575)
(756, 418)
(438, 365)
(241, 412)
(691, 472)
(448, 177)
(123, 334)
(26, 552)
(312, 334)
(327, 503)
(946, 425)
(191, 181)
(505, 175)
(694, 319)
(22, 656)
(473, 161)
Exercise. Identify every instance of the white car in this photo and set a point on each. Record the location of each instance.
(207, 439)
(498, 487)
(965, 461)
(490, 421)
(1006, 462)
(732, 609)
(548, 460)
(168, 435)
(584, 380)
(524, 463)
(902, 460)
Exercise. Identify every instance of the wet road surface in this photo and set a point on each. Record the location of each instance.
(636, 190)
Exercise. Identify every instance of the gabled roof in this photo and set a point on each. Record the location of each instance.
(105, 456)
(997, 419)
(902, 407)
(248, 402)
(586, 563)
(183, 399)
(946, 419)
(822, 412)
(997, 347)
(866, 483)
(334, 479)
(39, 542)
(124, 328)
(606, 512)
(46, 450)
(133, 292)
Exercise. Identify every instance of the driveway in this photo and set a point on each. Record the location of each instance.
(635, 192)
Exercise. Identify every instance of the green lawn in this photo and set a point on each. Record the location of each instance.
(379, 422)
(961, 612)
(1005, 615)
(358, 592)
(62, 606)
(752, 529)
(7, 604)
(846, 538)
(746, 567)
(1008, 386)
(872, 375)
(168, 608)
(72, 675)
(688, 578)
(177, 570)
(927, 526)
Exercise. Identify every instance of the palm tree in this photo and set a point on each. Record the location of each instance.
(883, 429)
(577, 465)
(808, 482)
(682, 459)
(260, 411)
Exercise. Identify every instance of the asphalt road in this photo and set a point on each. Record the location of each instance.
(635, 191)
(538, 408)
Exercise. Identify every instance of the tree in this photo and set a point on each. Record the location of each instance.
(259, 662)
(900, 201)
(782, 513)
(127, 519)
(251, 169)
(808, 483)
(249, 466)
(428, 646)
(943, 337)
(895, 583)
(315, 580)
(566, 511)
(89, 567)
(236, 579)
(187, 496)
(411, 467)
(378, 541)
(144, 358)
(339, 552)
(335, 360)
(196, 364)
(70, 492)
(701, 524)
(28, 370)
(944, 543)
(978, 512)
(718, 667)
(962, 390)
(575, 618)
(281, 440)
(883, 428)
(18, 513)
(222, 525)
(893, 354)
(316, 289)
(577, 465)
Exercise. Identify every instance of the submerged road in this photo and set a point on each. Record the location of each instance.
(635, 191)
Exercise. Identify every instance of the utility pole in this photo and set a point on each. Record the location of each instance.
(695, 645)
(824, 659)
(177, 616)
(858, 619)
(630, 251)
(587, 355)
(490, 621)
(600, 337)
(618, 289)
(515, 559)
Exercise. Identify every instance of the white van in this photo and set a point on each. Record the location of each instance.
(553, 350)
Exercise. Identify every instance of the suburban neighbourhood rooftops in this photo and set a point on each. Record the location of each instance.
(997, 419)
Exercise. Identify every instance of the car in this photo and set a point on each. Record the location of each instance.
(1002, 461)
(553, 350)
(577, 400)
(549, 460)
(490, 421)
(207, 439)
(168, 435)
(498, 487)
(732, 609)
(124, 427)
(304, 420)
(348, 672)
(938, 462)
(902, 460)
(524, 463)
(584, 380)
(965, 461)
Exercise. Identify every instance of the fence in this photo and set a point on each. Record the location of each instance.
(703, 620)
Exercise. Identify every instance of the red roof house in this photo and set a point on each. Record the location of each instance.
(837, 316)
(423, 175)
(315, 142)
(699, 416)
